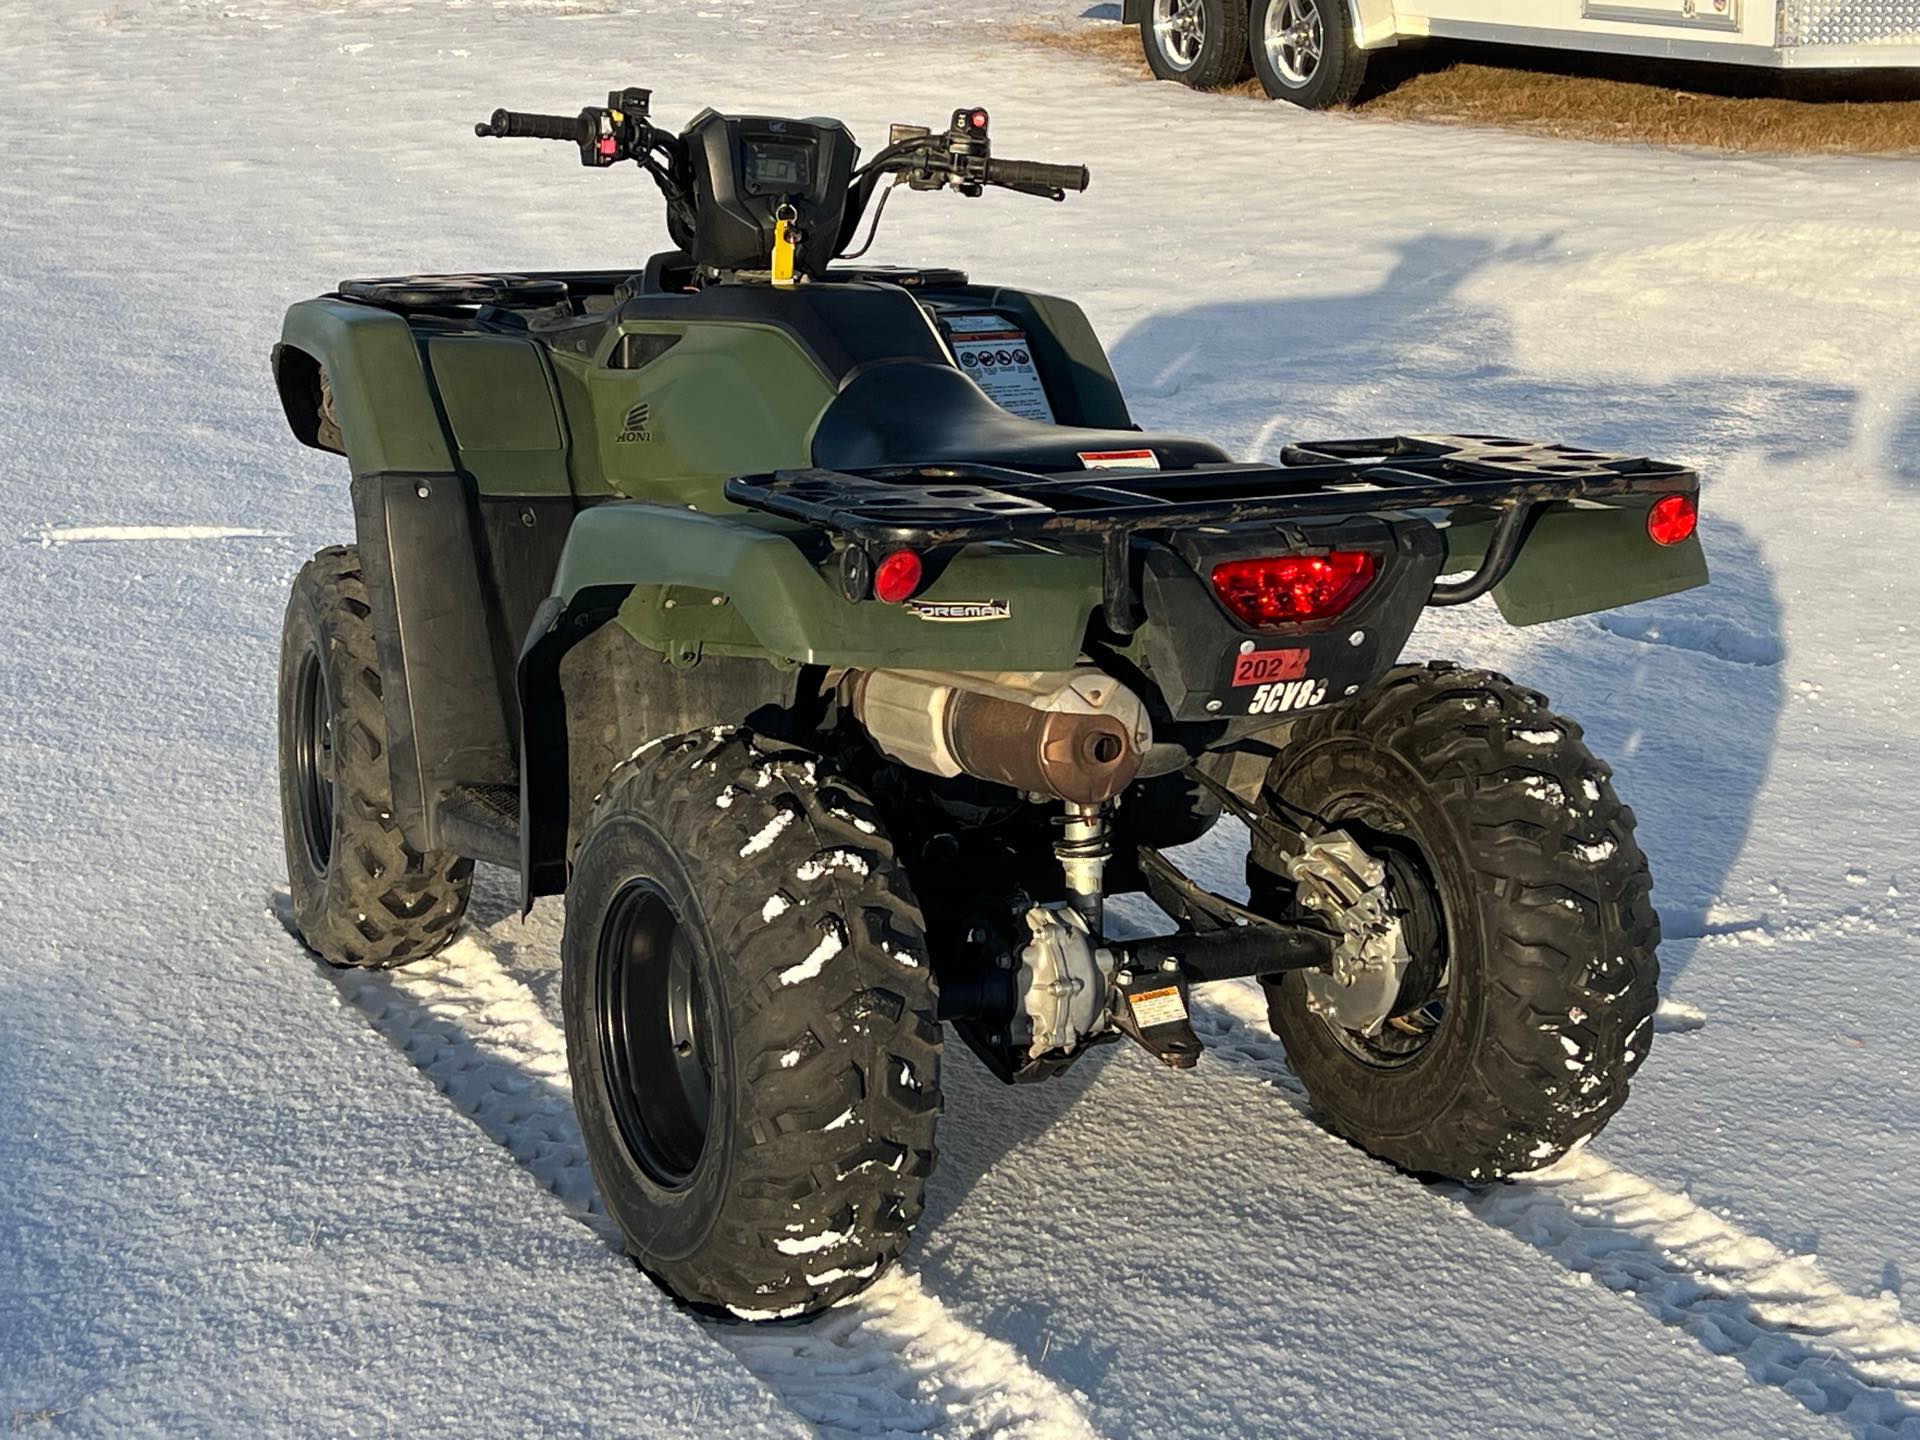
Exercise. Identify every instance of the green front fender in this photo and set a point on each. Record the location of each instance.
(739, 586)
(382, 402)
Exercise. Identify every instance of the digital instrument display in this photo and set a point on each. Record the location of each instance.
(778, 169)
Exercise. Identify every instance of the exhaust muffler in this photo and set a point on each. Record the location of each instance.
(1076, 735)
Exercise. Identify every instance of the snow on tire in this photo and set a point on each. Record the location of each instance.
(362, 894)
(1536, 1004)
(750, 1023)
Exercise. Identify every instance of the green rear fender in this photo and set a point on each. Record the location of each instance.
(731, 586)
(1581, 559)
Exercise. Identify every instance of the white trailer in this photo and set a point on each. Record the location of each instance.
(1314, 52)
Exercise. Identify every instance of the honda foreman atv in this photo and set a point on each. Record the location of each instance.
(836, 642)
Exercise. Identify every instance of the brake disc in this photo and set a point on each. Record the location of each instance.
(1341, 882)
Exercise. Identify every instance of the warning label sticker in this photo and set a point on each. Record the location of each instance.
(1119, 460)
(997, 358)
(1157, 1007)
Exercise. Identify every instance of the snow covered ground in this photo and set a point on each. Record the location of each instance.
(240, 1193)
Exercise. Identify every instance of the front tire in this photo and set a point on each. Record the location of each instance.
(750, 1022)
(1200, 43)
(1527, 905)
(362, 894)
(1305, 52)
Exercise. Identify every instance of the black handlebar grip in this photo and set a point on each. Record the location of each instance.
(1035, 172)
(520, 125)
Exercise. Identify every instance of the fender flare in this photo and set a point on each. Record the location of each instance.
(740, 584)
(352, 381)
(689, 584)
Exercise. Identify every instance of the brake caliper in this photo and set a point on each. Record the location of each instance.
(1346, 886)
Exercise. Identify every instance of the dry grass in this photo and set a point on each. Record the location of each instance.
(1594, 97)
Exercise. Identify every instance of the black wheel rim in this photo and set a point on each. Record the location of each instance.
(655, 1046)
(313, 759)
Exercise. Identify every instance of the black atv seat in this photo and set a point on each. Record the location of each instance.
(922, 413)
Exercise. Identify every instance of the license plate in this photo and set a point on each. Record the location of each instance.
(1263, 667)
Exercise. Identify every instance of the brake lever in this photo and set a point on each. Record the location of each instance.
(1045, 192)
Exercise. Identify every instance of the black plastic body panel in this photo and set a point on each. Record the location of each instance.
(522, 538)
(580, 719)
(842, 327)
(920, 414)
(736, 208)
(1194, 645)
(453, 581)
(545, 790)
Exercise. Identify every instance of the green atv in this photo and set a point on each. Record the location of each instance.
(836, 643)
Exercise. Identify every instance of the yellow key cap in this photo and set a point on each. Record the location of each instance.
(783, 252)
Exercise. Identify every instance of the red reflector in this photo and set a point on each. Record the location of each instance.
(978, 119)
(1286, 589)
(1672, 519)
(897, 577)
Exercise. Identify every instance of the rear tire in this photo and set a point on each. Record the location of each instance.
(1529, 905)
(1200, 43)
(362, 895)
(1305, 52)
(750, 1021)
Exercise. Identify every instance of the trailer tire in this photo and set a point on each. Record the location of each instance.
(1200, 43)
(362, 894)
(1326, 71)
(1536, 1004)
(751, 1025)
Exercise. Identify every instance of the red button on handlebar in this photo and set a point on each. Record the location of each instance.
(609, 145)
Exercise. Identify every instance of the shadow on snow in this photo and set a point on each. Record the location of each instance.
(1684, 693)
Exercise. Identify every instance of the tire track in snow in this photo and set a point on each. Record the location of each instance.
(1786, 1321)
(53, 535)
(892, 1361)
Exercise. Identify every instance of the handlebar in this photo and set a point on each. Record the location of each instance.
(523, 125)
(959, 158)
(1036, 175)
(962, 158)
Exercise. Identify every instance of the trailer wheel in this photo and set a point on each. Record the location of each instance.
(750, 1021)
(362, 895)
(1528, 1004)
(1200, 43)
(1305, 51)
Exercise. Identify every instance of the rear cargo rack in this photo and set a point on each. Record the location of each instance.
(924, 507)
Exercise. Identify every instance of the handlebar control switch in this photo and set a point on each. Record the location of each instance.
(600, 138)
(633, 103)
(968, 147)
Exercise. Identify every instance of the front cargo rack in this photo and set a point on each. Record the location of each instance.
(924, 507)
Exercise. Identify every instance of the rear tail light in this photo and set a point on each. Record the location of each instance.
(1673, 518)
(1290, 589)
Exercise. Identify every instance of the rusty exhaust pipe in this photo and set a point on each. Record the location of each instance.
(1076, 735)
